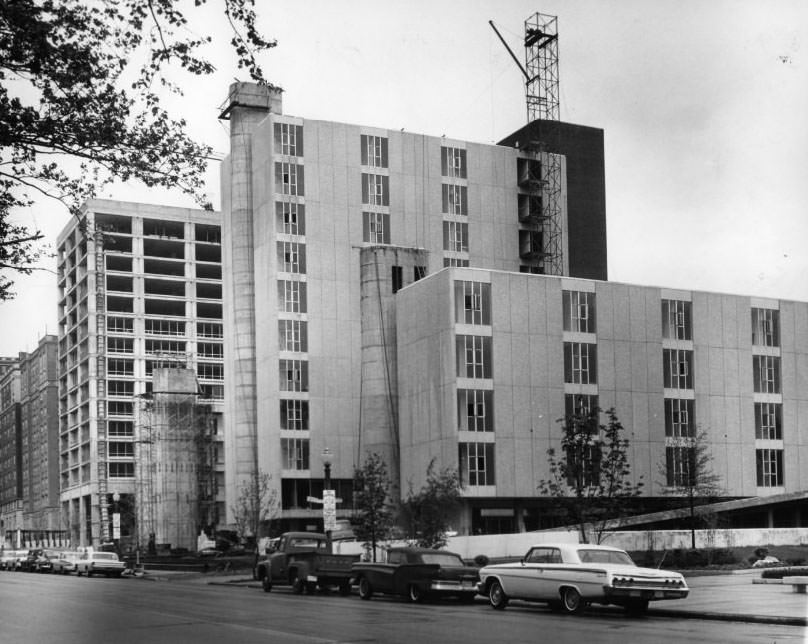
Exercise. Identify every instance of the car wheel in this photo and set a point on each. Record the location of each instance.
(497, 596)
(636, 607)
(266, 584)
(311, 587)
(415, 593)
(571, 601)
(297, 585)
(365, 589)
(345, 588)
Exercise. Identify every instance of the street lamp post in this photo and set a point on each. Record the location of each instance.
(116, 522)
(329, 498)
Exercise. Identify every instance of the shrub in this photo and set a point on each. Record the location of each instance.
(779, 573)
(481, 560)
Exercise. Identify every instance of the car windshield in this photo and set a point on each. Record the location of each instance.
(604, 556)
(111, 556)
(307, 543)
(441, 558)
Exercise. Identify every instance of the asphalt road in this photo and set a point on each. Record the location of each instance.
(45, 609)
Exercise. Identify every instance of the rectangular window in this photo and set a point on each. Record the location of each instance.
(123, 388)
(679, 419)
(475, 410)
(120, 325)
(209, 330)
(472, 302)
(120, 345)
(580, 363)
(294, 414)
(165, 346)
(293, 375)
(397, 277)
(376, 227)
(454, 261)
(766, 374)
(375, 189)
(581, 405)
(210, 371)
(116, 449)
(579, 311)
(769, 467)
(292, 335)
(680, 465)
(291, 257)
(288, 178)
(289, 139)
(209, 349)
(119, 408)
(120, 428)
(453, 162)
(769, 421)
(418, 272)
(120, 367)
(291, 296)
(295, 453)
(455, 236)
(765, 327)
(118, 470)
(374, 151)
(583, 463)
(473, 356)
(676, 320)
(678, 368)
(476, 464)
(164, 327)
(454, 200)
(290, 218)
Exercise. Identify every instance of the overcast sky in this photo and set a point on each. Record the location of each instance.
(703, 104)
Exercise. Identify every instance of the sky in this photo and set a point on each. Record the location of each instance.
(703, 107)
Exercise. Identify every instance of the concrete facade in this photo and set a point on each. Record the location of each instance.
(140, 288)
(722, 349)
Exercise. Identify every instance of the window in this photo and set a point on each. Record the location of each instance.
(120, 428)
(676, 320)
(119, 470)
(290, 218)
(579, 311)
(766, 374)
(209, 330)
(291, 257)
(209, 350)
(397, 278)
(291, 296)
(376, 227)
(455, 236)
(294, 414)
(120, 388)
(211, 392)
(210, 371)
(769, 421)
(120, 345)
(455, 200)
(164, 327)
(375, 189)
(583, 462)
(418, 272)
(677, 368)
(289, 139)
(288, 178)
(295, 453)
(165, 346)
(476, 464)
(120, 325)
(531, 270)
(580, 363)
(545, 555)
(680, 466)
(292, 335)
(473, 356)
(769, 467)
(580, 405)
(454, 261)
(119, 408)
(472, 302)
(120, 367)
(374, 151)
(679, 420)
(475, 410)
(453, 162)
(117, 449)
(766, 327)
(293, 375)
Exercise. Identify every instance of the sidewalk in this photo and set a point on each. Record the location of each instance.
(725, 597)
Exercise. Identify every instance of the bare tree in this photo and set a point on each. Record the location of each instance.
(373, 515)
(426, 515)
(257, 504)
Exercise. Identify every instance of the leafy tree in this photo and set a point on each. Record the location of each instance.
(591, 478)
(688, 471)
(68, 91)
(427, 514)
(373, 516)
(257, 504)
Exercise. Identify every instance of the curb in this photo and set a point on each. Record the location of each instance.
(730, 617)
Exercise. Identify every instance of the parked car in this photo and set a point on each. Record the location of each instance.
(28, 563)
(10, 559)
(568, 577)
(99, 563)
(65, 563)
(417, 573)
(44, 562)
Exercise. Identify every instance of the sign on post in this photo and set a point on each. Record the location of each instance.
(329, 510)
(116, 525)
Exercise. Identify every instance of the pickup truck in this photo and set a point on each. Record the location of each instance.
(302, 560)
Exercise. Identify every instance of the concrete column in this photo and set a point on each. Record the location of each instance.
(247, 105)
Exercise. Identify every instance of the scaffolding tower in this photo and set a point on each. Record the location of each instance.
(175, 484)
(101, 386)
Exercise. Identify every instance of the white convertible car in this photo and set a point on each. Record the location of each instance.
(569, 576)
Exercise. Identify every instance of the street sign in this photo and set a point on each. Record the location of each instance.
(329, 502)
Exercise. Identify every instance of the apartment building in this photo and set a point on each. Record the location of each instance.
(140, 289)
(11, 478)
(488, 361)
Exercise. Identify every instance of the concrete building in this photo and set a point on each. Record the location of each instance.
(11, 479)
(488, 362)
(139, 290)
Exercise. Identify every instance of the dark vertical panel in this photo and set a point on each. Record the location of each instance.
(384, 153)
(364, 145)
(299, 135)
(386, 190)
